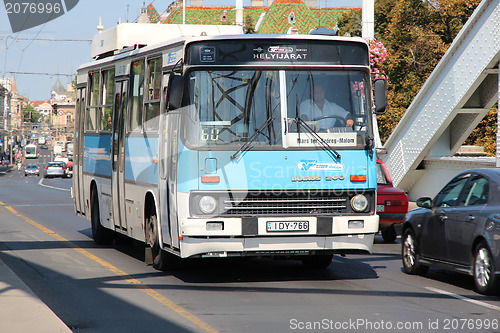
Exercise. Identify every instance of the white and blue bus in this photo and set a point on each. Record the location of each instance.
(200, 147)
(30, 151)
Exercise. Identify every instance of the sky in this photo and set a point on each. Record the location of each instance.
(53, 50)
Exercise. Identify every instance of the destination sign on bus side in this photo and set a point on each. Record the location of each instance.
(271, 52)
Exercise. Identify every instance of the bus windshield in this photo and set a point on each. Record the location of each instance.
(271, 108)
(30, 151)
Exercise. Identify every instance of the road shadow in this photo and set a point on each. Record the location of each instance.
(4, 170)
(87, 305)
(249, 269)
(267, 269)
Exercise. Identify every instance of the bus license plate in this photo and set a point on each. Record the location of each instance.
(287, 226)
(380, 208)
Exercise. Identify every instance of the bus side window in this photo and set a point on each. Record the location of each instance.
(91, 110)
(152, 120)
(136, 96)
(106, 109)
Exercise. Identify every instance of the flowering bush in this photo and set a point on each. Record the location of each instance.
(378, 54)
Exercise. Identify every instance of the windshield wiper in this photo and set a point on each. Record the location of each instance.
(325, 146)
(258, 131)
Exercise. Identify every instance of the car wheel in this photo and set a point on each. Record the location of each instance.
(484, 271)
(410, 255)
(318, 261)
(389, 234)
(101, 235)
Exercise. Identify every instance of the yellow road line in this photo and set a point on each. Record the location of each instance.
(163, 300)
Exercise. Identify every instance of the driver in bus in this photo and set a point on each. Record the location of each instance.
(327, 114)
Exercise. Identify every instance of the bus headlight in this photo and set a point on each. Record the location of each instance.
(208, 204)
(359, 203)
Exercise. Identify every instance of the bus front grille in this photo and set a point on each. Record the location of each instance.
(285, 204)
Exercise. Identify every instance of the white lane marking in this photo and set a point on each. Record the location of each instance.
(463, 298)
(52, 187)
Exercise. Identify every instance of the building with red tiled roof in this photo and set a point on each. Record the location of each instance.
(44, 107)
(277, 18)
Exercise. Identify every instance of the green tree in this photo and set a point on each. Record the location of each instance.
(30, 114)
(350, 23)
(249, 27)
(73, 83)
(449, 16)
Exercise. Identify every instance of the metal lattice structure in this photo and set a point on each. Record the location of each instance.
(460, 91)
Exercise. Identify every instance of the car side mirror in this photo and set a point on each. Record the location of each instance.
(424, 202)
(175, 91)
(380, 95)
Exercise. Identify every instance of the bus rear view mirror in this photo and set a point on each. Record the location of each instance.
(380, 95)
(175, 91)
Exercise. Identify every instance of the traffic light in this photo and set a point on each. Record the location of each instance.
(55, 108)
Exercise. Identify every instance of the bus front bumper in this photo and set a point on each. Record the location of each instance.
(279, 246)
(257, 236)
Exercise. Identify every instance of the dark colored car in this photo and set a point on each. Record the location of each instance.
(392, 203)
(458, 230)
(31, 169)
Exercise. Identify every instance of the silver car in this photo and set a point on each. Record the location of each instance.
(55, 169)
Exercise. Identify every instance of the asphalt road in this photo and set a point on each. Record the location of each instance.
(110, 289)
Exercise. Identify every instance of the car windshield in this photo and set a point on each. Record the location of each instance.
(229, 108)
(382, 178)
(31, 166)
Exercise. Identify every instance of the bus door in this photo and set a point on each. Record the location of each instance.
(118, 158)
(167, 202)
(78, 183)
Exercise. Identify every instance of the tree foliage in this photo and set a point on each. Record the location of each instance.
(249, 27)
(30, 114)
(350, 24)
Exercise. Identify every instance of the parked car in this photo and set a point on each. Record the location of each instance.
(55, 169)
(31, 169)
(458, 230)
(392, 203)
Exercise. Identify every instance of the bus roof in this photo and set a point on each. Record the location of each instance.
(127, 35)
(147, 42)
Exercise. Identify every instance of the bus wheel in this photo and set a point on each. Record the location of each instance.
(162, 260)
(319, 261)
(101, 235)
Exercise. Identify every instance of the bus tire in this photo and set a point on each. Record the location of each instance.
(101, 235)
(318, 261)
(162, 260)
